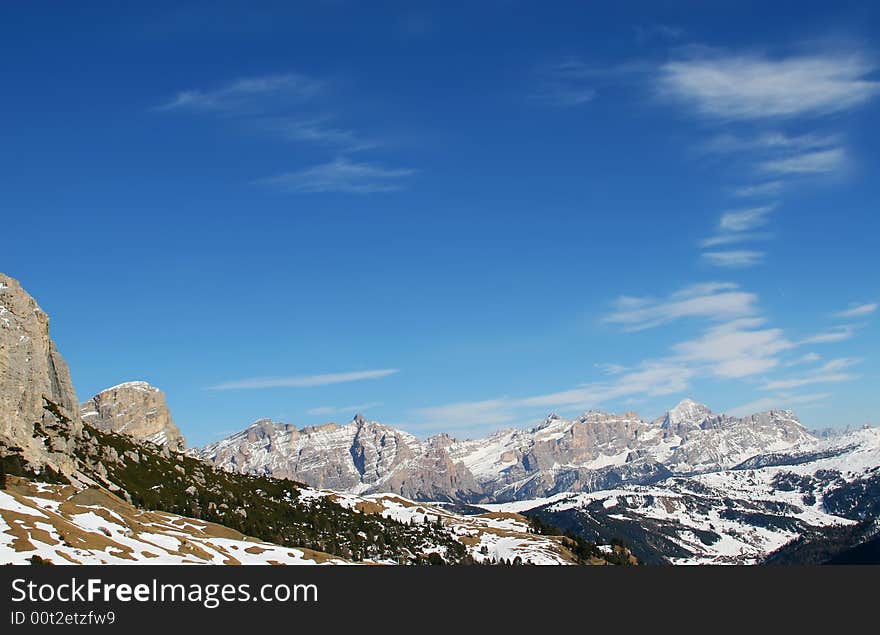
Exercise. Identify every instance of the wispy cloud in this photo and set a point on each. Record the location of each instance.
(342, 175)
(574, 82)
(817, 162)
(774, 402)
(318, 129)
(654, 378)
(739, 348)
(827, 374)
(745, 219)
(759, 87)
(734, 259)
(735, 226)
(808, 358)
(293, 107)
(251, 94)
(714, 300)
(735, 350)
(305, 381)
(565, 84)
(857, 310)
(838, 334)
(730, 239)
(649, 378)
(466, 414)
(767, 188)
(322, 411)
(767, 143)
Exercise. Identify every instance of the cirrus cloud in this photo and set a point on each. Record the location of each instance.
(303, 381)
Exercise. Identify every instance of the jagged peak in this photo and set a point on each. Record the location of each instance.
(264, 421)
(135, 385)
(688, 411)
(549, 420)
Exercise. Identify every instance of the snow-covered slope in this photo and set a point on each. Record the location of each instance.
(69, 525)
(490, 537)
(730, 516)
(594, 451)
(64, 524)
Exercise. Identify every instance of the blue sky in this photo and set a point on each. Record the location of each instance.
(453, 216)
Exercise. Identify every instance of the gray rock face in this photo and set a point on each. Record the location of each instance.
(362, 456)
(595, 451)
(31, 372)
(134, 408)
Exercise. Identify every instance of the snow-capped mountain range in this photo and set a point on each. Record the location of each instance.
(782, 500)
(595, 451)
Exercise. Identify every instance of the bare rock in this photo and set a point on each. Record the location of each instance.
(35, 387)
(137, 409)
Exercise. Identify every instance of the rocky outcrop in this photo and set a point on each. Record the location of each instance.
(361, 456)
(134, 408)
(35, 386)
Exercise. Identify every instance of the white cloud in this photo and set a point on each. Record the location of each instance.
(307, 381)
(318, 130)
(733, 350)
(784, 384)
(808, 358)
(734, 259)
(713, 300)
(739, 348)
(735, 228)
(818, 162)
(839, 364)
(838, 334)
(612, 369)
(342, 175)
(730, 239)
(291, 107)
(649, 378)
(775, 402)
(830, 372)
(767, 143)
(857, 310)
(760, 189)
(466, 414)
(741, 220)
(249, 93)
(736, 349)
(754, 87)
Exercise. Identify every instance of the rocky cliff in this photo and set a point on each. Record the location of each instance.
(35, 385)
(361, 456)
(137, 409)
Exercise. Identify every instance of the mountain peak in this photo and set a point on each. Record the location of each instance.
(688, 411)
(134, 385)
(137, 409)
